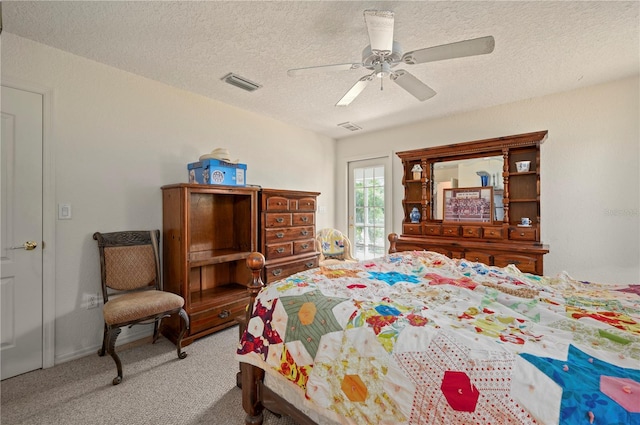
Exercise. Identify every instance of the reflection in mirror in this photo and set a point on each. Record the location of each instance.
(473, 172)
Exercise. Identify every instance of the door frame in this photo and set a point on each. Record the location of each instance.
(49, 211)
(342, 199)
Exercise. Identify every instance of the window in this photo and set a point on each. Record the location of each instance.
(367, 208)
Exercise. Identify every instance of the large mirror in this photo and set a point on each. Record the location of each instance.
(475, 172)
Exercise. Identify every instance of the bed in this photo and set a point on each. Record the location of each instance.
(419, 338)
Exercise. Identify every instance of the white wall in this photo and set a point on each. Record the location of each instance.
(590, 172)
(116, 138)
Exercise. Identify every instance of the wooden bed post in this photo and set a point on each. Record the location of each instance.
(252, 376)
(393, 238)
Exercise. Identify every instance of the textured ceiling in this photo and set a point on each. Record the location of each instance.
(541, 48)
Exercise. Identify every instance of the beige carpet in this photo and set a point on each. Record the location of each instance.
(157, 388)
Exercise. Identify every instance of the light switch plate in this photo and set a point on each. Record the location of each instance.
(64, 211)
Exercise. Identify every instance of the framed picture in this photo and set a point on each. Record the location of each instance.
(468, 205)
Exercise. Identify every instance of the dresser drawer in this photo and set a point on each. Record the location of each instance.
(303, 219)
(279, 250)
(306, 204)
(301, 247)
(212, 317)
(479, 257)
(277, 203)
(433, 229)
(492, 232)
(439, 250)
(471, 231)
(457, 254)
(288, 234)
(277, 219)
(522, 233)
(524, 263)
(412, 229)
(450, 230)
(280, 271)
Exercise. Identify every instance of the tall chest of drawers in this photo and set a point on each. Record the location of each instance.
(287, 232)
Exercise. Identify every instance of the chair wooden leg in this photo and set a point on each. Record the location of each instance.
(156, 334)
(103, 350)
(111, 349)
(185, 327)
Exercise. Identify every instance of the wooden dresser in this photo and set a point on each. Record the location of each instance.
(287, 232)
(498, 238)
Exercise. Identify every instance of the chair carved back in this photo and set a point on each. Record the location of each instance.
(129, 260)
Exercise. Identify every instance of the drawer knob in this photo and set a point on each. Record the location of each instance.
(305, 219)
(305, 246)
(280, 235)
(310, 265)
(450, 231)
(280, 220)
(470, 231)
(277, 272)
(280, 250)
(521, 233)
(476, 259)
(492, 232)
(304, 232)
(224, 314)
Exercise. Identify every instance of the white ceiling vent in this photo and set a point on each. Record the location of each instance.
(238, 81)
(350, 126)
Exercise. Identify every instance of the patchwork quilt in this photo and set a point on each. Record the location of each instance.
(418, 338)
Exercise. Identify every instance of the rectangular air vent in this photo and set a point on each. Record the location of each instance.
(238, 81)
(350, 126)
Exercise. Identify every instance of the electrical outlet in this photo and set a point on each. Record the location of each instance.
(93, 301)
(90, 301)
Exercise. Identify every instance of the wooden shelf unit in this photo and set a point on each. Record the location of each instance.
(208, 232)
(499, 242)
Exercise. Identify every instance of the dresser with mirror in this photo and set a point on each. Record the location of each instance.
(478, 200)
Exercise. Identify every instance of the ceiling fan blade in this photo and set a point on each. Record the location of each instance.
(355, 90)
(380, 28)
(460, 49)
(323, 68)
(410, 83)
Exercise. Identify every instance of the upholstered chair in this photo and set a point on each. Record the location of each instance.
(132, 288)
(334, 247)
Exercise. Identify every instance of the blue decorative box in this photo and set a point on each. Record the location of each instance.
(213, 171)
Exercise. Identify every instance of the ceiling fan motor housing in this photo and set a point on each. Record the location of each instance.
(370, 59)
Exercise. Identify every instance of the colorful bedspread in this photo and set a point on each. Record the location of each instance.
(418, 338)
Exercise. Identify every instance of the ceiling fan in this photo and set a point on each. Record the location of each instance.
(384, 54)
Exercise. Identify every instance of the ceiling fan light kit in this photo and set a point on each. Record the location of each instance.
(383, 54)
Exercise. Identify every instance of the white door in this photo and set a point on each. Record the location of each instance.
(369, 207)
(21, 215)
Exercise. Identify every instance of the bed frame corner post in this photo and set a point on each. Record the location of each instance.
(255, 262)
(393, 238)
(251, 376)
(251, 381)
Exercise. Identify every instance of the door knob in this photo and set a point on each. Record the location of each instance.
(27, 246)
